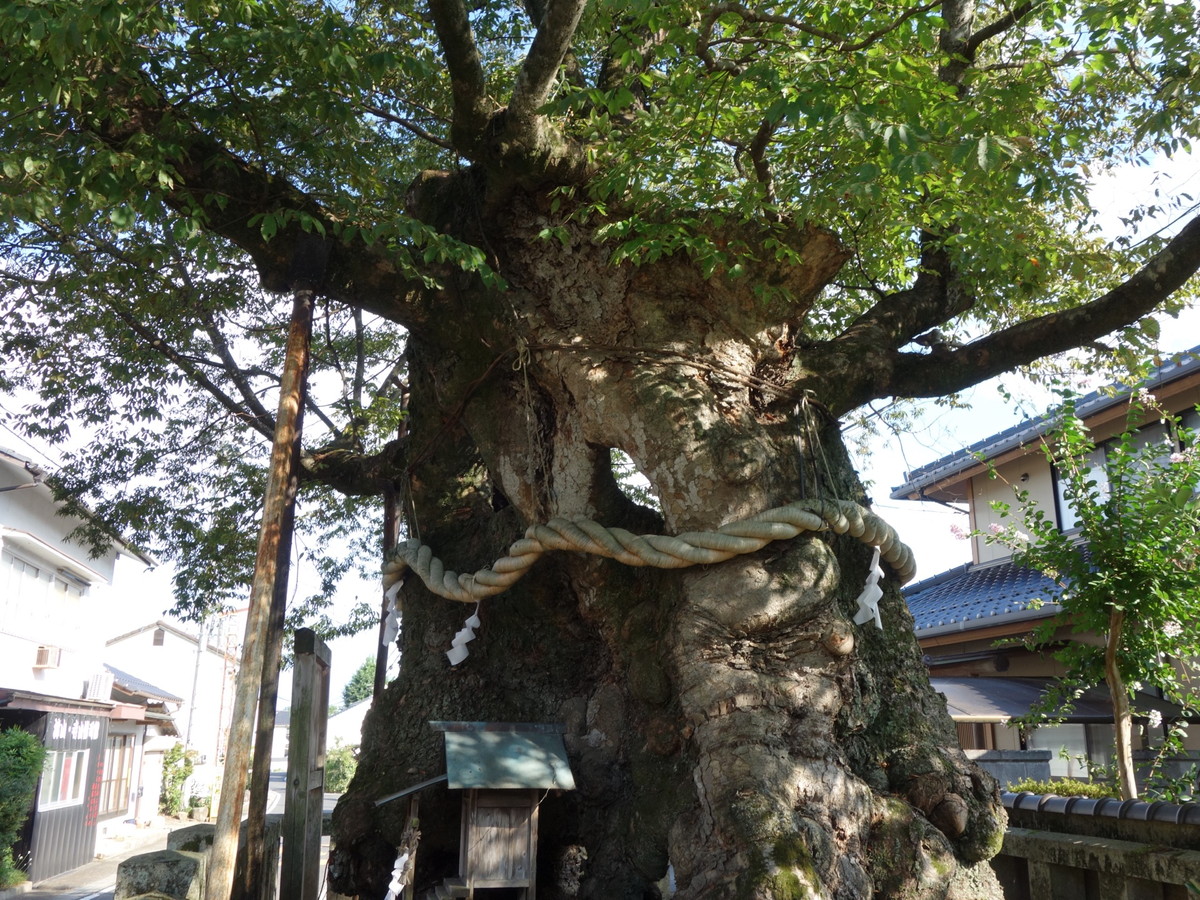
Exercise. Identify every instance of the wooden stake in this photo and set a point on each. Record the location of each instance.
(237, 758)
(300, 861)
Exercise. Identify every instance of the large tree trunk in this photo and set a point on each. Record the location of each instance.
(729, 719)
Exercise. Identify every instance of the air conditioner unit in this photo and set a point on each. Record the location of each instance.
(48, 657)
(99, 686)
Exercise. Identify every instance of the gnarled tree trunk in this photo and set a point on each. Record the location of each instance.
(728, 719)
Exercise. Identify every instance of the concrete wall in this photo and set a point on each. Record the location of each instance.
(1071, 847)
(1010, 766)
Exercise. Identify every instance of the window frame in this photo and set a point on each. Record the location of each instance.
(50, 795)
(116, 780)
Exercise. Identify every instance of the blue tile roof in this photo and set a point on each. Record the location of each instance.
(135, 685)
(971, 597)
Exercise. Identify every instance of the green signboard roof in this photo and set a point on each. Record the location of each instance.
(503, 755)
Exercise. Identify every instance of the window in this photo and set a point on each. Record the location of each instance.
(67, 588)
(1073, 748)
(1067, 518)
(63, 778)
(976, 735)
(1151, 444)
(34, 597)
(117, 776)
(21, 578)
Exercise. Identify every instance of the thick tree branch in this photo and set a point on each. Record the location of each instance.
(539, 72)
(231, 195)
(354, 473)
(615, 71)
(960, 43)
(468, 85)
(1001, 25)
(898, 317)
(930, 375)
(762, 167)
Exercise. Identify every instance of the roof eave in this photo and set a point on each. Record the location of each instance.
(936, 477)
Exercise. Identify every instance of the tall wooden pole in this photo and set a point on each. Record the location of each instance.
(250, 873)
(300, 869)
(237, 758)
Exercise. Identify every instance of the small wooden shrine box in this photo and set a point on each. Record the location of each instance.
(504, 769)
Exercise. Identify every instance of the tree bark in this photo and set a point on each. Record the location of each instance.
(730, 719)
(1122, 718)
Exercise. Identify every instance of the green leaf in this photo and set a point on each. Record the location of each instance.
(123, 217)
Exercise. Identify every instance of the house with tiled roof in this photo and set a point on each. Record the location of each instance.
(198, 663)
(972, 621)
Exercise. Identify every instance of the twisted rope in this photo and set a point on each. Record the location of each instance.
(660, 551)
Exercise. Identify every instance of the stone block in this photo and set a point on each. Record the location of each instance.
(194, 838)
(174, 874)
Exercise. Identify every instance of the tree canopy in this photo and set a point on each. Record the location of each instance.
(866, 175)
(360, 685)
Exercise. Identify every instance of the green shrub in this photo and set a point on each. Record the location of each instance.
(21, 758)
(178, 763)
(10, 875)
(1067, 787)
(340, 763)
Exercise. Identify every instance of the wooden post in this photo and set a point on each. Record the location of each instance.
(300, 874)
(250, 872)
(237, 757)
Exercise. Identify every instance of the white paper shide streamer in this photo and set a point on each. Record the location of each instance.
(458, 647)
(391, 625)
(399, 877)
(868, 600)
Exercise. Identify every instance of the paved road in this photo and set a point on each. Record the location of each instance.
(97, 880)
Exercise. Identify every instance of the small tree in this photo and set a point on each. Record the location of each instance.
(340, 765)
(1130, 574)
(21, 759)
(361, 684)
(178, 763)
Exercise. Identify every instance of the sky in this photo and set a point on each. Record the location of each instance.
(938, 431)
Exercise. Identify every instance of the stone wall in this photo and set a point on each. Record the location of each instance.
(1083, 849)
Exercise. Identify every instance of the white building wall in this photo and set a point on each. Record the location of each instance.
(51, 593)
(1030, 473)
(203, 675)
